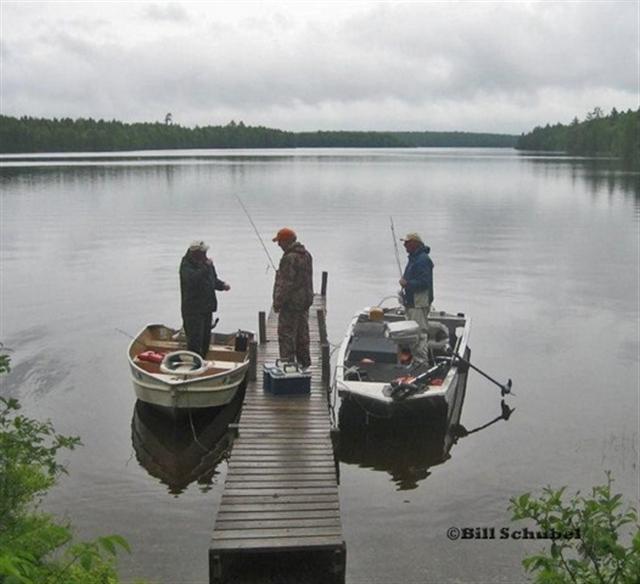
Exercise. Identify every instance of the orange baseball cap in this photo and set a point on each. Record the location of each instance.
(284, 234)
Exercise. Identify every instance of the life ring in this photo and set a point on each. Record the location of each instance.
(183, 363)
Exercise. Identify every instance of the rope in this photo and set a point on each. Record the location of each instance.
(193, 428)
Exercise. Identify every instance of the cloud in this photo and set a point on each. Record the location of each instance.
(171, 12)
(465, 66)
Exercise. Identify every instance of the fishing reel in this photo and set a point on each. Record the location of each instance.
(399, 390)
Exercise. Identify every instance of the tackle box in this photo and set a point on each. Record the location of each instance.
(286, 379)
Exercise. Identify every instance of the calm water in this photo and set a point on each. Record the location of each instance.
(542, 252)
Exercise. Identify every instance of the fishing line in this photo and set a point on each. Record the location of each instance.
(256, 230)
(395, 245)
(134, 339)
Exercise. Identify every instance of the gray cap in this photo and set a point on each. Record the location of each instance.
(198, 246)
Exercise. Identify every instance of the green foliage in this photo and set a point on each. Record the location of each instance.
(28, 134)
(4, 362)
(597, 553)
(34, 548)
(617, 134)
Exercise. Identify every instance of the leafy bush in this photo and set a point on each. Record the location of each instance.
(34, 547)
(597, 552)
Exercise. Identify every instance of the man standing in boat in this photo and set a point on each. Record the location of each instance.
(292, 297)
(198, 285)
(417, 288)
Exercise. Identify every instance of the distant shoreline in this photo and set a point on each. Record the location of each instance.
(204, 153)
(37, 135)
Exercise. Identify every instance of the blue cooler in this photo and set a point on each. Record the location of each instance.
(285, 379)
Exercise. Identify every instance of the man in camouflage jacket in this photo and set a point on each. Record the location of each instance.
(292, 297)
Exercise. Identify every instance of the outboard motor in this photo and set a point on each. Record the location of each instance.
(242, 341)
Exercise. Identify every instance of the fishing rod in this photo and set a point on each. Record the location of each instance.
(256, 230)
(395, 245)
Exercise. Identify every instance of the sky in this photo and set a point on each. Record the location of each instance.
(473, 66)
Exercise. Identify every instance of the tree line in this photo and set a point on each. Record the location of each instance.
(30, 135)
(616, 134)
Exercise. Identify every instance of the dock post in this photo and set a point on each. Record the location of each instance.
(323, 288)
(326, 363)
(262, 327)
(253, 361)
(322, 326)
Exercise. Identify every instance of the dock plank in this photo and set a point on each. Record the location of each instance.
(285, 514)
(291, 543)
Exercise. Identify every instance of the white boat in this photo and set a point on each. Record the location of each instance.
(166, 375)
(378, 372)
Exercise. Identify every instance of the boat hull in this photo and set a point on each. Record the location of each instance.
(191, 394)
(420, 406)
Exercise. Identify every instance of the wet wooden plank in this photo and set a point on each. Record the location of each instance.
(292, 543)
(309, 448)
(283, 514)
(276, 440)
(282, 464)
(326, 458)
(270, 524)
(286, 486)
(273, 533)
(281, 492)
(243, 473)
(279, 507)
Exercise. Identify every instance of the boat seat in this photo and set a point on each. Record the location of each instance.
(438, 336)
(223, 365)
(369, 329)
(167, 345)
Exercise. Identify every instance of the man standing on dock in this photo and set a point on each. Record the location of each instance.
(198, 285)
(292, 297)
(417, 287)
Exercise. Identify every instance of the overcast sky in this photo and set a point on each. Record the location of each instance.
(474, 66)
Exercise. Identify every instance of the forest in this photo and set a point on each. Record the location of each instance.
(30, 135)
(616, 135)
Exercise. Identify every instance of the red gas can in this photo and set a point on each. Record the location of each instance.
(151, 356)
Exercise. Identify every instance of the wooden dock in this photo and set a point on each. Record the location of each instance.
(281, 491)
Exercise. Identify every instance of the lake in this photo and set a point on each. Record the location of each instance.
(541, 251)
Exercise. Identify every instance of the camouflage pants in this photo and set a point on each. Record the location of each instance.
(293, 336)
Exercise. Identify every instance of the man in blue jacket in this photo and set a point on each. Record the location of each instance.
(417, 287)
(198, 284)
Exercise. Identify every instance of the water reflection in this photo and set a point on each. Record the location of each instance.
(406, 452)
(181, 451)
(597, 174)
